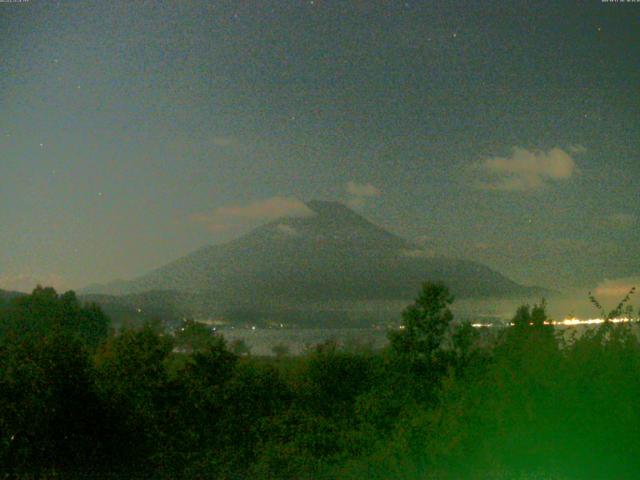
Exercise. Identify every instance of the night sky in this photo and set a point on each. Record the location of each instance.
(133, 132)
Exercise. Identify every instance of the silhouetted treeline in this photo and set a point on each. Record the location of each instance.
(442, 401)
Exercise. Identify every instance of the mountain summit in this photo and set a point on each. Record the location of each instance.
(331, 254)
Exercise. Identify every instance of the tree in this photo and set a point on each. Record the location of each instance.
(531, 336)
(132, 378)
(44, 312)
(623, 307)
(240, 347)
(417, 359)
(280, 350)
(196, 407)
(425, 323)
(193, 336)
(464, 339)
(49, 413)
(333, 379)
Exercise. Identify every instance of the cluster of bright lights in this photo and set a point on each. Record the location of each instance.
(589, 321)
(567, 322)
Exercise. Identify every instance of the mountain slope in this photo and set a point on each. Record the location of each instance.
(333, 255)
(7, 295)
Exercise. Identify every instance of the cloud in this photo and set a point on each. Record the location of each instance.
(577, 149)
(268, 209)
(225, 218)
(359, 193)
(526, 170)
(26, 282)
(617, 288)
(362, 190)
(357, 202)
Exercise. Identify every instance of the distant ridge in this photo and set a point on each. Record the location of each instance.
(333, 255)
(6, 295)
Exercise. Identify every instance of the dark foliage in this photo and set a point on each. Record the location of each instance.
(442, 401)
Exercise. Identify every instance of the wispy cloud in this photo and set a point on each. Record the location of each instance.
(362, 189)
(359, 193)
(577, 149)
(228, 217)
(526, 170)
(617, 288)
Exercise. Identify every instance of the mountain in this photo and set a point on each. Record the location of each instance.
(332, 255)
(6, 295)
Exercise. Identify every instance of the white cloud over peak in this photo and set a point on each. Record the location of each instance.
(526, 170)
(359, 193)
(228, 217)
(362, 189)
